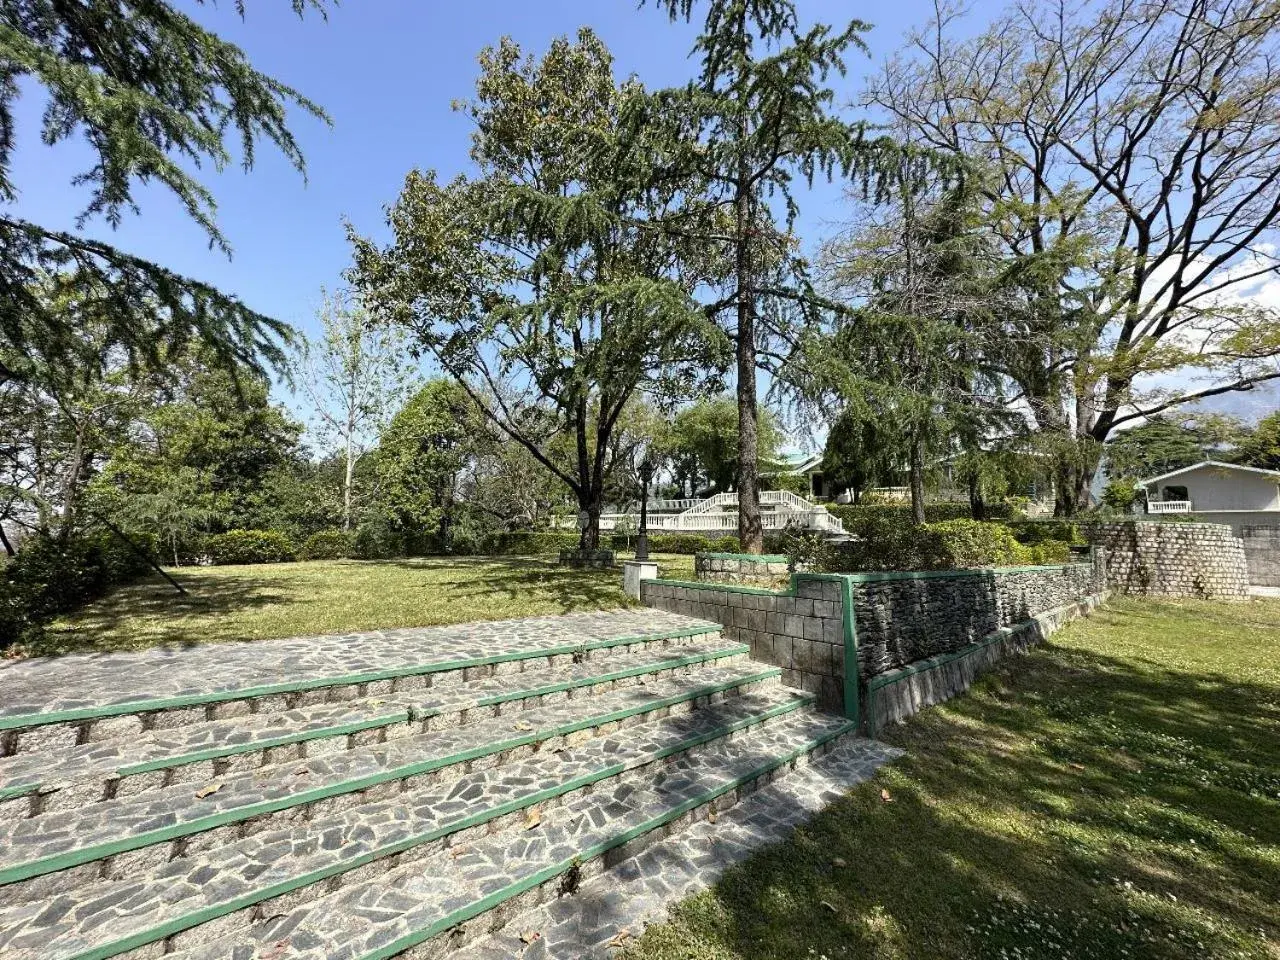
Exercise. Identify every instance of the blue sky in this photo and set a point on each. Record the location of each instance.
(387, 72)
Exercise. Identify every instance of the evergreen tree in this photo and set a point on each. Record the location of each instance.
(759, 115)
(152, 93)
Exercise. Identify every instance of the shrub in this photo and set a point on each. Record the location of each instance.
(329, 545)
(967, 544)
(1035, 532)
(379, 540)
(529, 542)
(901, 512)
(49, 577)
(249, 546)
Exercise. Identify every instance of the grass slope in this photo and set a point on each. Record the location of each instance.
(300, 599)
(1114, 795)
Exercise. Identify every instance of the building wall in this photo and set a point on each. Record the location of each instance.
(1217, 488)
(1262, 554)
(1172, 559)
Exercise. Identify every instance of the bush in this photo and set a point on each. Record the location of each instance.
(49, 577)
(249, 546)
(901, 512)
(379, 540)
(329, 545)
(968, 544)
(529, 542)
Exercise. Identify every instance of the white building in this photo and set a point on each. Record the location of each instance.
(1217, 492)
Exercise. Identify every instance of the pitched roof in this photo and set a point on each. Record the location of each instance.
(1210, 463)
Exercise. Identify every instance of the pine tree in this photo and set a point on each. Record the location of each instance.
(152, 93)
(759, 115)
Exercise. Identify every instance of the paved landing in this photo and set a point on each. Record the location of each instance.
(34, 688)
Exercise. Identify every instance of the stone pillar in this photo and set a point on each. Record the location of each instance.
(634, 571)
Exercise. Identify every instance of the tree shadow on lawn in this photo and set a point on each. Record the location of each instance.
(517, 578)
(1073, 805)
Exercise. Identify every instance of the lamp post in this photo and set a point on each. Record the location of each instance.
(646, 477)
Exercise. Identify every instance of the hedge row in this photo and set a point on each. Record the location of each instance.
(901, 512)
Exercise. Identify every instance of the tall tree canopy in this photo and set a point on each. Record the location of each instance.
(758, 116)
(538, 284)
(1137, 150)
(151, 93)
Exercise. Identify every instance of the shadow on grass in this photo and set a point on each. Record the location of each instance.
(1073, 805)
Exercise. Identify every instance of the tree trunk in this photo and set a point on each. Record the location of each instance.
(917, 481)
(750, 526)
(590, 504)
(977, 504)
(347, 481)
(4, 539)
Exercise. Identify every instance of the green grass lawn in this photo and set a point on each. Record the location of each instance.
(295, 599)
(1114, 795)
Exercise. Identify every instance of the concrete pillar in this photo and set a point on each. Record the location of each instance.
(633, 571)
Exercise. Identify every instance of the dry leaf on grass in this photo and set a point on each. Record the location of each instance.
(884, 795)
(619, 938)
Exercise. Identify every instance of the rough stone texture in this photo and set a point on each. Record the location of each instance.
(1262, 554)
(594, 559)
(1172, 559)
(899, 618)
(904, 620)
(608, 911)
(763, 571)
(901, 693)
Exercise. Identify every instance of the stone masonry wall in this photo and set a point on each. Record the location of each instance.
(898, 618)
(1262, 555)
(1172, 559)
(902, 620)
(763, 571)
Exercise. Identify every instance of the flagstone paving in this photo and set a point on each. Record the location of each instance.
(485, 771)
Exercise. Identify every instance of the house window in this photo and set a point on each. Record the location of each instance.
(1175, 493)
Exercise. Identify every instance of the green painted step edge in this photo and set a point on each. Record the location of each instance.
(208, 914)
(74, 858)
(404, 716)
(21, 790)
(498, 897)
(299, 686)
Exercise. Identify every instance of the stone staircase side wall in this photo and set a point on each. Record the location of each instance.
(1262, 555)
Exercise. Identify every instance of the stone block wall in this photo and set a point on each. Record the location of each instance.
(903, 618)
(1262, 554)
(890, 619)
(1172, 559)
(761, 571)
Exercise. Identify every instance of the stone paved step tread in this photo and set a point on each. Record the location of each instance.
(73, 688)
(39, 846)
(507, 872)
(96, 766)
(108, 918)
(641, 889)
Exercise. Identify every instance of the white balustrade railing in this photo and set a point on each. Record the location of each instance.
(1169, 506)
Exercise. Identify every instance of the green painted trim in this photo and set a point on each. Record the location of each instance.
(21, 790)
(852, 679)
(752, 557)
(298, 686)
(483, 905)
(404, 716)
(198, 917)
(940, 574)
(74, 858)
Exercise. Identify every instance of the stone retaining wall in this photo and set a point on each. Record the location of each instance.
(1172, 559)
(1262, 555)
(889, 619)
(762, 571)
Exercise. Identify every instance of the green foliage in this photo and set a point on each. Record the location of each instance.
(1119, 495)
(249, 546)
(329, 545)
(853, 515)
(377, 539)
(1260, 447)
(529, 543)
(1034, 533)
(704, 442)
(1160, 445)
(50, 576)
(861, 451)
(966, 544)
(154, 95)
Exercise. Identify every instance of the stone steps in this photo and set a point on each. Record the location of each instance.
(384, 821)
(66, 701)
(64, 779)
(191, 900)
(425, 908)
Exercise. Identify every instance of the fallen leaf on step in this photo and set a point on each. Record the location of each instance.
(524, 725)
(529, 936)
(830, 906)
(884, 795)
(276, 950)
(208, 791)
(712, 817)
(458, 851)
(532, 818)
